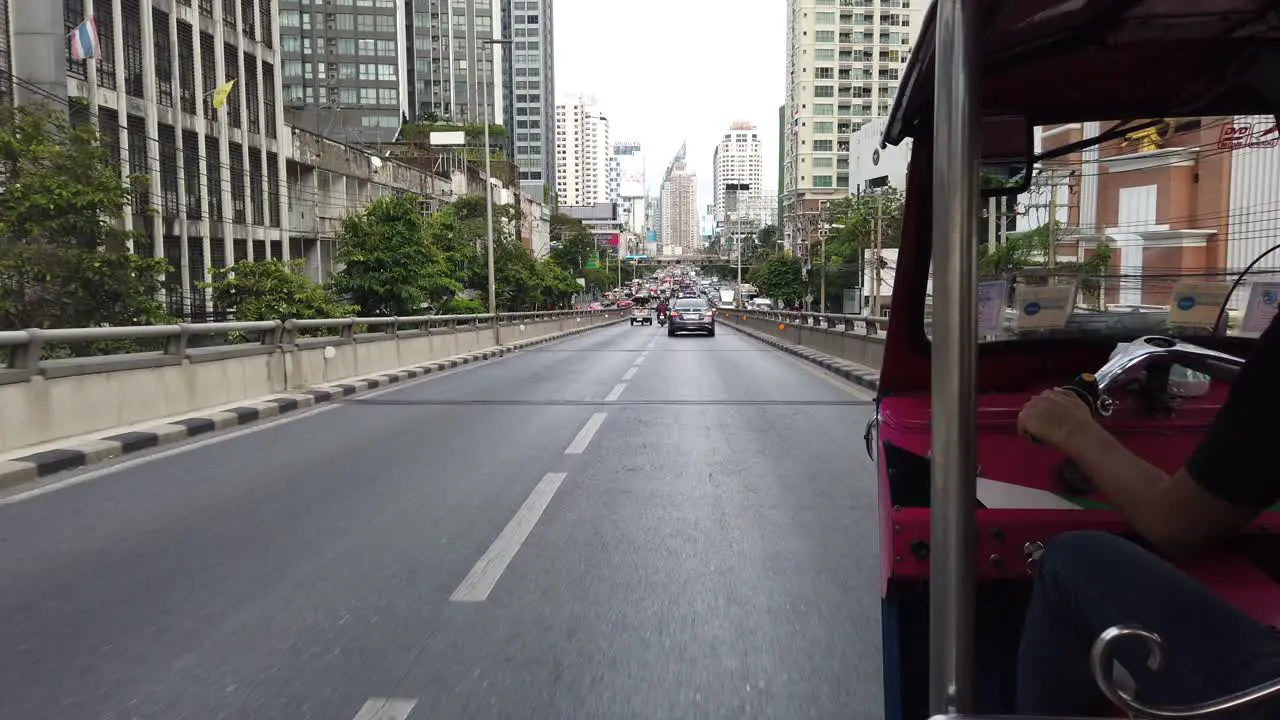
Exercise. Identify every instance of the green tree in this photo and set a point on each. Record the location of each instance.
(272, 290)
(573, 244)
(389, 264)
(852, 222)
(780, 278)
(1023, 257)
(64, 260)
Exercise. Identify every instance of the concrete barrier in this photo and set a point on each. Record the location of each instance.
(42, 400)
(856, 338)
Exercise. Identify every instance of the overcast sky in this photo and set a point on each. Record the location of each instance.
(667, 71)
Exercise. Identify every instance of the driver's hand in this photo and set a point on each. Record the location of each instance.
(1055, 417)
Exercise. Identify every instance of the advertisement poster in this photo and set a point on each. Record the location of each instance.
(1195, 303)
(1045, 307)
(991, 301)
(1261, 309)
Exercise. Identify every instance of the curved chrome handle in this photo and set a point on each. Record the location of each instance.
(1102, 664)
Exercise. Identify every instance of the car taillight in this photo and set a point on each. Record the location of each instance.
(674, 314)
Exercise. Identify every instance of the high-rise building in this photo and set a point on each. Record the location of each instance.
(737, 162)
(453, 72)
(341, 68)
(843, 68)
(681, 221)
(528, 93)
(583, 153)
(628, 177)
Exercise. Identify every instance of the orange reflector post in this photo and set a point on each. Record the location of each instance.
(782, 326)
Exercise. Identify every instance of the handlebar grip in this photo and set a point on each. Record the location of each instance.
(1085, 388)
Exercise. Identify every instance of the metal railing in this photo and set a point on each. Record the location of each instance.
(870, 324)
(23, 352)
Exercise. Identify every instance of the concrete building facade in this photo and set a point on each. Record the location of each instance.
(583, 153)
(529, 93)
(681, 218)
(738, 163)
(453, 72)
(342, 67)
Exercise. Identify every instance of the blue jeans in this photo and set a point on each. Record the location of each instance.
(1087, 582)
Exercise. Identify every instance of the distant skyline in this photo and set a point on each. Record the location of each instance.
(667, 83)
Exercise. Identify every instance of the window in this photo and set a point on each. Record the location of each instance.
(388, 96)
(368, 96)
(348, 96)
(822, 128)
(822, 161)
(822, 181)
(306, 46)
(825, 18)
(346, 46)
(824, 91)
(823, 109)
(346, 71)
(385, 23)
(368, 71)
(290, 19)
(386, 72)
(290, 43)
(822, 146)
(345, 21)
(824, 73)
(366, 23)
(293, 68)
(824, 36)
(387, 48)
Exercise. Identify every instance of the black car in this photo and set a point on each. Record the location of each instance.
(691, 314)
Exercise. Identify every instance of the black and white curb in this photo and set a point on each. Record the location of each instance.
(38, 465)
(851, 371)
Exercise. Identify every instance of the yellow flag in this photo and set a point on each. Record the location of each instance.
(221, 93)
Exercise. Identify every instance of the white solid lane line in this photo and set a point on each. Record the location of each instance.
(480, 581)
(583, 438)
(615, 393)
(386, 709)
(630, 373)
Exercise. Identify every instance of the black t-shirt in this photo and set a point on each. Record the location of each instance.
(1237, 461)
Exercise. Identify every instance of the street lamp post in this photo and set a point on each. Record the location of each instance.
(488, 177)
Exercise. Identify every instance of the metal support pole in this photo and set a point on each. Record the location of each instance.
(488, 204)
(956, 125)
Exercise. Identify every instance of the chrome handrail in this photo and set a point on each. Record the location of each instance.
(1102, 665)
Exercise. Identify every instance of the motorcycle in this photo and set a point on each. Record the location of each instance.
(662, 318)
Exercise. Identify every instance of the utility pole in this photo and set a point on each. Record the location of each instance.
(875, 259)
(822, 281)
(1053, 220)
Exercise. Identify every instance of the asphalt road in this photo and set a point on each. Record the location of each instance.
(619, 525)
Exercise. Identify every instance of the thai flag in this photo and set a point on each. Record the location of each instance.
(84, 40)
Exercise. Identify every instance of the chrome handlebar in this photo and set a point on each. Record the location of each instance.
(1132, 358)
(1102, 664)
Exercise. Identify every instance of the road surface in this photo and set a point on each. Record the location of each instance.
(619, 525)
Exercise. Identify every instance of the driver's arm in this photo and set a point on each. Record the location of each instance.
(1231, 477)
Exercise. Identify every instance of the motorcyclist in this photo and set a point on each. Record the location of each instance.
(662, 307)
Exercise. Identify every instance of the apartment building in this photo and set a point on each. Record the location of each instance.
(342, 67)
(844, 62)
(681, 226)
(583, 153)
(454, 72)
(528, 93)
(738, 162)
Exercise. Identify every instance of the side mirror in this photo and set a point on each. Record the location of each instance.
(1008, 149)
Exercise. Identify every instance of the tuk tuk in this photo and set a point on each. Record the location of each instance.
(965, 504)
